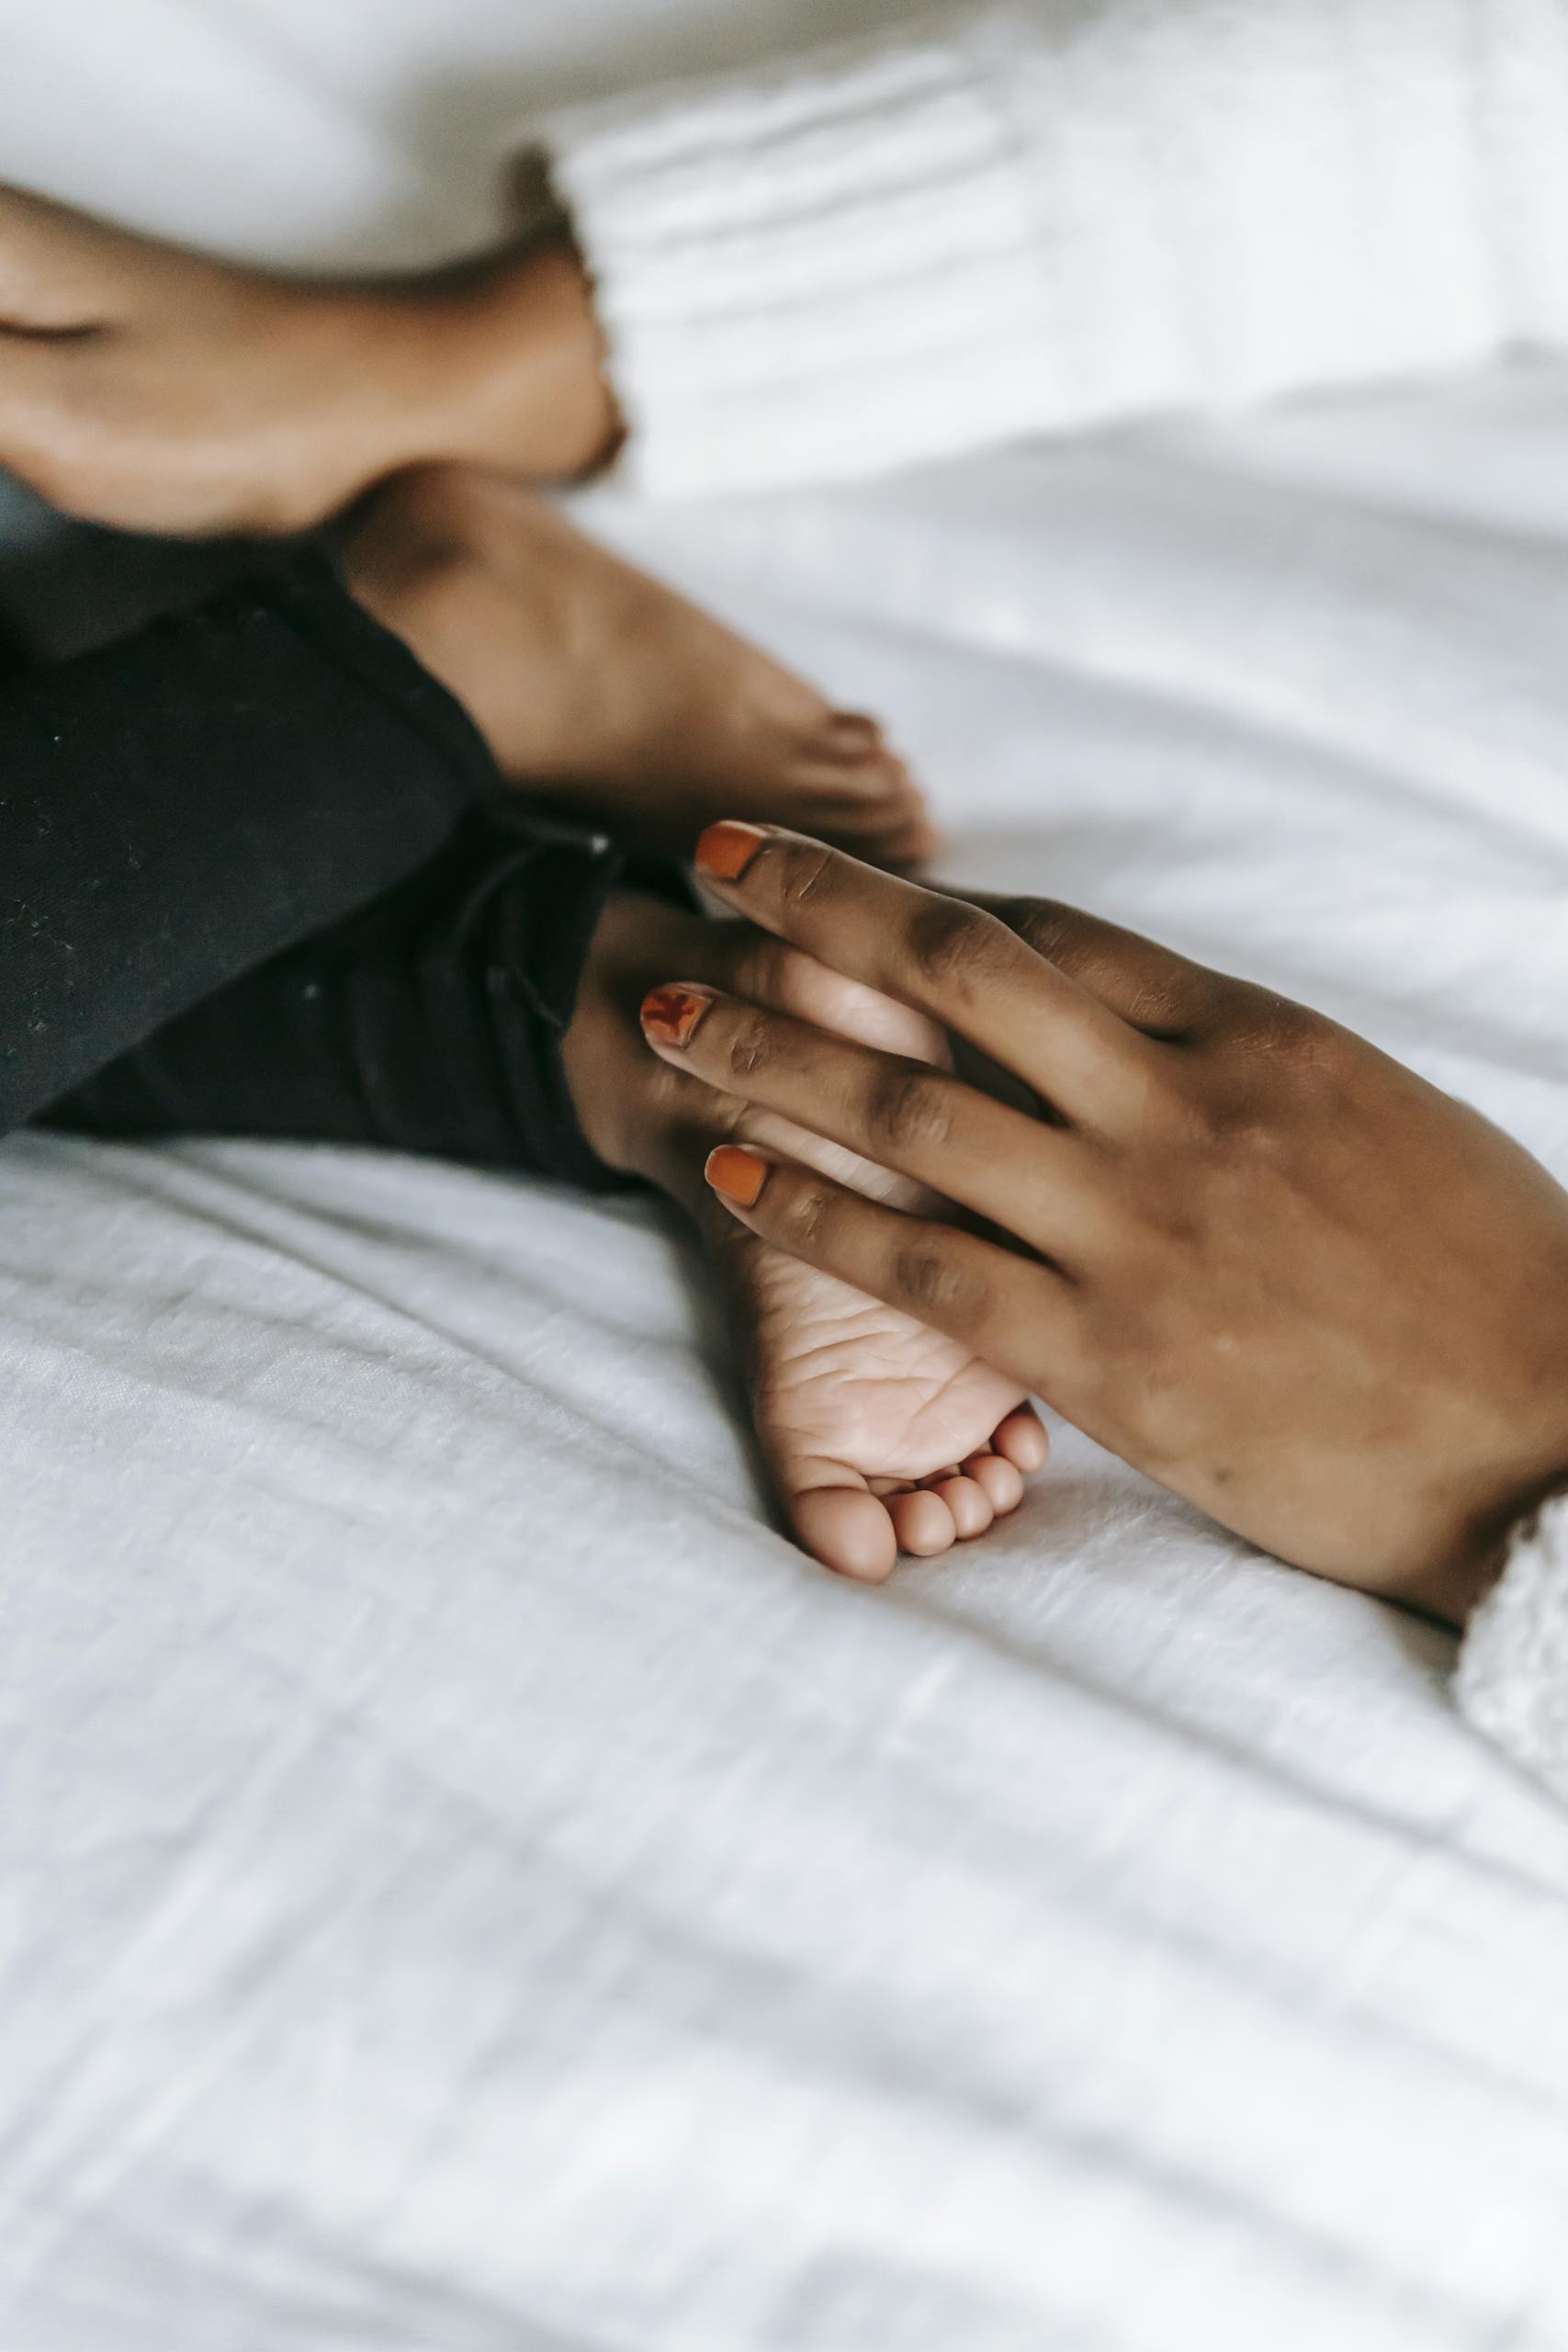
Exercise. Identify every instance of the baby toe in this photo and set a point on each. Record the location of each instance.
(1022, 1439)
(923, 1524)
(970, 1506)
(848, 1529)
(1000, 1479)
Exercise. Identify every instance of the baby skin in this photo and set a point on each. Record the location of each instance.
(879, 1434)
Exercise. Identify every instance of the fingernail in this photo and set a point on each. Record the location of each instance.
(738, 1175)
(727, 849)
(672, 1014)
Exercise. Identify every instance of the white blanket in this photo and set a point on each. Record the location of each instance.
(468, 1885)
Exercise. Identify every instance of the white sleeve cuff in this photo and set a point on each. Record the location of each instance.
(815, 274)
(1035, 216)
(1513, 1671)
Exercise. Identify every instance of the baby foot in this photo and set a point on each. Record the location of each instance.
(879, 1434)
(606, 695)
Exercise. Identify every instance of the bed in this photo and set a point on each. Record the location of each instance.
(467, 1884)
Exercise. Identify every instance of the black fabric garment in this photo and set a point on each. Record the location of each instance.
(178, 807)
(430, 1022)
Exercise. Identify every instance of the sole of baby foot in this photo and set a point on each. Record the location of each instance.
(877, 1433)
(881, 1436)
(860, 1529)
(607, 697)
(852, 1404)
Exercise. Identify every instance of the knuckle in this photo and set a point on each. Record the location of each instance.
(952, 946)
(1271, 1028)
(803, 872)
(1047, 926)
(936, 1285)
(1290, 1031)
(750, 1049)
(1323, 1057)
(906, 1108)
(805, 1220)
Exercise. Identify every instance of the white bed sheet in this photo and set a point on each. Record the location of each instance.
(466, 1883)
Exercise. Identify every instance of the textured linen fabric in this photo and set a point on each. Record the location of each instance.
(469, 1882)
(1047, 215)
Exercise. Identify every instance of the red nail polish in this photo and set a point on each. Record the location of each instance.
(727, 849)
(738, 1175)
(672, 1014)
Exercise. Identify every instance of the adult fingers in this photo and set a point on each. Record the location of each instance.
(1152, 988)
(1025, 1177)
(749, 963)
(953, 960)
(1015, 1315)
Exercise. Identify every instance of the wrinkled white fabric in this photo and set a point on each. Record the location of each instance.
(464, 1882)
(468, 1883)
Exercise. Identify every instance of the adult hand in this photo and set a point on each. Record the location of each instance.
(878, 1433)
(1233, 1243)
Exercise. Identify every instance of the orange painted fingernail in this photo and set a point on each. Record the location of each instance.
(727, 849)
(672, 1014)
(738, 1175)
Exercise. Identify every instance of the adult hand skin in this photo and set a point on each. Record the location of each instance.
(878, 1433)
(1236, 1244)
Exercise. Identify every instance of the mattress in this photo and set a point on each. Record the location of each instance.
(468, 1885)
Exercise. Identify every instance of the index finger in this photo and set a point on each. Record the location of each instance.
(953, 960)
